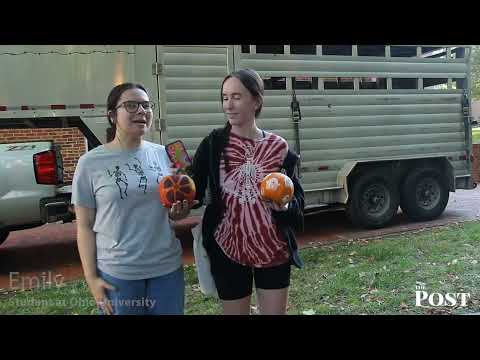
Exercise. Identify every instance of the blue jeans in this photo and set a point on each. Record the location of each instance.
(163, 295)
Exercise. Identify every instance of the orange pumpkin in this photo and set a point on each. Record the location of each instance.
(276, 187)
(173, 188)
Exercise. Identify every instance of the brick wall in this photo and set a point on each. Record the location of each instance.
(71, 141)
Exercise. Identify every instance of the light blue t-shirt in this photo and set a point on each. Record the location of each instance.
(133, 233)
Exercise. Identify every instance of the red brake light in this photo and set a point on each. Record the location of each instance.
(45, 167)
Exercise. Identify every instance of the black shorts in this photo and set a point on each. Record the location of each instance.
(234, 281)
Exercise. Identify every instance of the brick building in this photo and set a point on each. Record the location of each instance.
(72, 143)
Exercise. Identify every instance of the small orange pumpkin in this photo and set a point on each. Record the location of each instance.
(276, 187)
(178, 187)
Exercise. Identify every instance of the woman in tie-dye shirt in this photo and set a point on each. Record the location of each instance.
(248, 239)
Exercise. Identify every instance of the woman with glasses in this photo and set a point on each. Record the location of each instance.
(130, 256)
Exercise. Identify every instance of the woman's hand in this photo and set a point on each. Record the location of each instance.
(97, 287)
(277, 207)
(181, 209)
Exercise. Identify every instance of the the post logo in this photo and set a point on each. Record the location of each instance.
(438, 299)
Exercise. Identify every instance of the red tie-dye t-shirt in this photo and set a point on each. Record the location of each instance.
(248, 233)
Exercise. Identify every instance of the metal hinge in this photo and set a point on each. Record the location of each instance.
(160, 124)
(157, 68)
(163, 124)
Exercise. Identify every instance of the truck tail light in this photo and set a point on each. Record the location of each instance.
(45, 167)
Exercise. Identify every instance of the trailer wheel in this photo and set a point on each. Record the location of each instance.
(424, 194)
(374, 200)
(3, 235)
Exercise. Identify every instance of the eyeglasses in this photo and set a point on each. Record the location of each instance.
(132, 106)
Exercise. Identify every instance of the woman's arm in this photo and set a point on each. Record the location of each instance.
(199, 169)
(87, 249)
(86, 240)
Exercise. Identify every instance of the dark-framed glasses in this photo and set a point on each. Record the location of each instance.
(132, 106)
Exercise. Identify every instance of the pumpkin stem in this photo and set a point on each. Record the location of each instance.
(188, 170)
(180, 171)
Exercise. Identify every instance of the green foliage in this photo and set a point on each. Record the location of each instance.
(475, 61)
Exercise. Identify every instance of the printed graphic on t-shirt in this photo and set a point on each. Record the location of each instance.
(242, 181)
(136, 167)
(120, 179)
(156, 168)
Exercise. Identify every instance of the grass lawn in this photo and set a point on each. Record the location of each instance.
(476, 136)
(378, 276)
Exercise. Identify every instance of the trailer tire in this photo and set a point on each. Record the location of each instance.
(374, 200)
(424, 194)
(3, 235)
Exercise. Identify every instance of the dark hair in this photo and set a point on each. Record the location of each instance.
(112, 101)
(254, 84)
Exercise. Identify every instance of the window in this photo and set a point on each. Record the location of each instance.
(458, 53)
(403, 51)
(434, 52)
(303, 49)
(442, 83)
(435, 84)
(245, 49)
(371, 50)
(275, 83)
(373, 83)
(345, 50)
(459, 83)
(270, 49)
(305, 83)
(404, 83)
(337, 83)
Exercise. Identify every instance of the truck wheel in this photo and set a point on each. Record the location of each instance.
(424, 194)
(373, 200)
(3, 235)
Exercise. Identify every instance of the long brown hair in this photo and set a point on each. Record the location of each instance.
(254, 84)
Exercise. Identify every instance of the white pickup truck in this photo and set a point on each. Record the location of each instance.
(32, 192)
